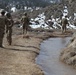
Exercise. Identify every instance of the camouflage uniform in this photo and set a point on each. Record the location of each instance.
(64, 22)
(25, 22)
(9, 28)
(2, 27)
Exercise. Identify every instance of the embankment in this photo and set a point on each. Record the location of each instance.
(68, 55)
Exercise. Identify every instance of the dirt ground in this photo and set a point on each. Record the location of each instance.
(19, 58)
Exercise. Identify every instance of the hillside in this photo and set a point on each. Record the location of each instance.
(21, 3)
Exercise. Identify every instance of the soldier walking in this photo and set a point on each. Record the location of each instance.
(64, 23)
(2, 26)
(9, 28)
(25, 22)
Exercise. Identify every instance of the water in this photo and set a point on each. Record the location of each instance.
(48, 58)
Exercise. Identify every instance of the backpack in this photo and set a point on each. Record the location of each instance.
(65, 21)
(25, 20)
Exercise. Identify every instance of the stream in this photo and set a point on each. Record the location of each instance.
(48, 59)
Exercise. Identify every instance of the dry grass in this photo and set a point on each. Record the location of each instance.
(19, 58)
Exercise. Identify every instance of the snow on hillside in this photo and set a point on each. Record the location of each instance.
(13, 9)
(39, 21)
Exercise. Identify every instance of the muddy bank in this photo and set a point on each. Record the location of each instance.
(68, 55)
(19, 59)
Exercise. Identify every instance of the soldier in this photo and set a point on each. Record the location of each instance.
(9, 28)
(64, 22)
(2, 26)
(25, 22)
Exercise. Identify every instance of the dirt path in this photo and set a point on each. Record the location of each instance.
(19, 59)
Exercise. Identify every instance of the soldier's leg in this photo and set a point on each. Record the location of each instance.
(65, 28)
(23, 29)
(62, 28)
(1, 39)
(10, 36)
(10, 40)
(26, 29)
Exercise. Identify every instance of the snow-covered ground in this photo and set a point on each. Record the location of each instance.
(39, 21)
(13, 9)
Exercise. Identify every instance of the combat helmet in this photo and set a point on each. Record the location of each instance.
(25, 13)
(3, 11)
(8, 14)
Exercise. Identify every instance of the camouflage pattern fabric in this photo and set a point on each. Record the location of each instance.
(2, 28)
(25, 22)
(9, 30)
(64, 23)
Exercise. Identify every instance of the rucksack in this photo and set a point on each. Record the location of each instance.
(65, 21)
(26, 19)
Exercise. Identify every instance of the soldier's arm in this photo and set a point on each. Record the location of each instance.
(28, 19)
(6, 25)
(67, 23)
(61, 22)
(12, 22)
(21, 20)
